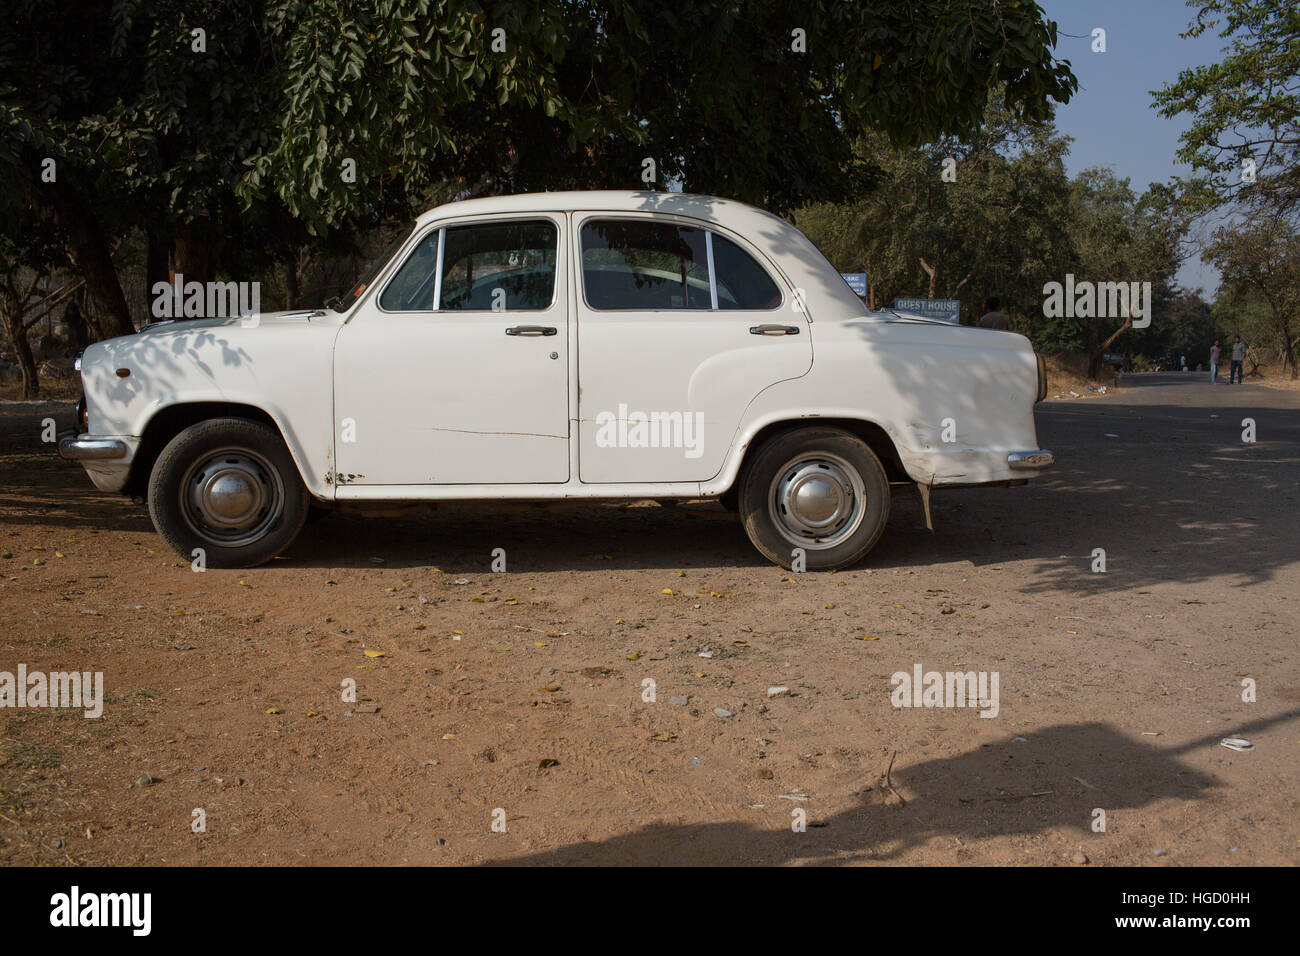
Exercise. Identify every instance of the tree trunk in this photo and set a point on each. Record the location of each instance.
(90, 250)
(78, 330)
(198, 249)
(23, 352)
(291, 290)
(156, 267)
(933, 273)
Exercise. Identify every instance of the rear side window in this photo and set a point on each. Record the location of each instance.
(638, 265)
(742, 282)
(635, 265)
(498, 266)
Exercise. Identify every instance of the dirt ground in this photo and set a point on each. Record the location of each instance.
(520, 696)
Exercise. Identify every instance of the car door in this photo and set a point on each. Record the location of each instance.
(680, 326)
(456, 371)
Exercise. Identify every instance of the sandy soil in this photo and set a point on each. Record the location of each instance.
(523, 691)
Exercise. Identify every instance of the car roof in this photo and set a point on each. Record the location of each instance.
(707, 208)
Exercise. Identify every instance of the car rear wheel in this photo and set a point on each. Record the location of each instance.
(229, 487)
(821, 490)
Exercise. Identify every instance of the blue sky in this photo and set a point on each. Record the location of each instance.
(1110, 118)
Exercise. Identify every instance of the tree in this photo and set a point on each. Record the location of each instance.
(751, 100)
(1120, 237)
(28, 255)
(963, 218)
(1263, 262)
(1244, 141)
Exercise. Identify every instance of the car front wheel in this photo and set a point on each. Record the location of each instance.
(821, 490)
(227, 487)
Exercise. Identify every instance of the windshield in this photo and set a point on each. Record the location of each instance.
(343, 303)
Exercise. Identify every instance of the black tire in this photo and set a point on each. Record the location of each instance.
(730, 499)
(230, 487)
(820, 489)
(316, 513)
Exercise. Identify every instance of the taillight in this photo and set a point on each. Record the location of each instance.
(83, 417)
(1042, 378)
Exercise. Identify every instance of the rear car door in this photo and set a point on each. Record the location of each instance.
(680, 326)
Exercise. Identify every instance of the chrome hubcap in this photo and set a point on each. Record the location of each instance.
(817, 500)
(232, 497)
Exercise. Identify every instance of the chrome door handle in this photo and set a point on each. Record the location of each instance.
(774, 330)
(531, 330)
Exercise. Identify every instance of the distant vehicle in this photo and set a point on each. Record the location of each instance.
(598, 345)
(1114, 360)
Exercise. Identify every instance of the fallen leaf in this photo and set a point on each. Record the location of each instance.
(374, 653)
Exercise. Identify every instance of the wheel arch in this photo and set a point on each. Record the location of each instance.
(871, 433)
(171, 420)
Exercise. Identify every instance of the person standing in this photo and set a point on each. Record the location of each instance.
(1215, 352)
(1238, 360)
(993, 317)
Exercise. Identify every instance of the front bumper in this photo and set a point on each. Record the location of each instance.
(107, 460)
(1022, 460)
(76, 447)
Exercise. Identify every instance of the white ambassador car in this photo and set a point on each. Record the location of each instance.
(600, 345)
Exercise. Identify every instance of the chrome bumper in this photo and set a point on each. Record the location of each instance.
(1029, 459)
(75, 447)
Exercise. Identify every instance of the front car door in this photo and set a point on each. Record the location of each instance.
(456, 371)
(680, 326)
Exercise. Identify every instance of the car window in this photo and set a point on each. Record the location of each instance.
(498, 266)
(742, 282)
(501, 266)
(633, 265)
(411, 289)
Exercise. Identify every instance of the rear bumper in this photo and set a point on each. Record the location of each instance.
(1024, 460)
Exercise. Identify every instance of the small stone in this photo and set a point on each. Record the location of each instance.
(723, 712)
(1162, 853)
(778, 692)
(145, 780)
(99, 575)
(680, 701)
(762, 773)
(1079, 858)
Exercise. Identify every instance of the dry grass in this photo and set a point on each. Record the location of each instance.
(1067, 372)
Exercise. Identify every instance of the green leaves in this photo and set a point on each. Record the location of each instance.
(1245, 108)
